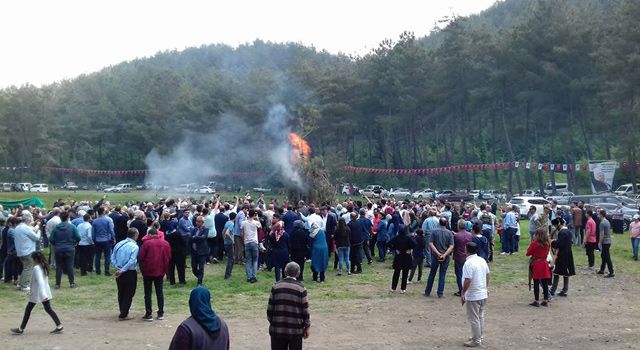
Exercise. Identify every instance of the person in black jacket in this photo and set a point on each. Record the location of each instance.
(178, 248)
(3, 243)
(357, 238)
(563, 257)
(299, 245)
(403, 246)
(418, 255)
(140, 223)
(64, 237)
(343, 245)
(219, 221)
(330, 226)
(120, 226)
(199, 248)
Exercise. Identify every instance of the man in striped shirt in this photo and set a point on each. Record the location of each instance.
(288, 311)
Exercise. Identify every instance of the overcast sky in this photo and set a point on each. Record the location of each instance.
(49, 40)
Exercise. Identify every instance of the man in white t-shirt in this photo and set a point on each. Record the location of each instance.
(249, 233)
(475, 274)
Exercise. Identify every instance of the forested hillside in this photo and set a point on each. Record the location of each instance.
(540, 80)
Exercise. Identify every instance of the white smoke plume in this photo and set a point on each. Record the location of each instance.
(233, 147)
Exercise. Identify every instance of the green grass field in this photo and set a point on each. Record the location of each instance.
(236, 297)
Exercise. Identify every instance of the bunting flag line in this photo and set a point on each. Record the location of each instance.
(128, 172)
(96, 172)
(559, 167)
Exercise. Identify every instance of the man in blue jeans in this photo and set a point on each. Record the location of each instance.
(249, 234)
(441, 245)
(509, 226)
(103, 237)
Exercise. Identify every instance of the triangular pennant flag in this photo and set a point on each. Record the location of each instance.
(577, 166)
(516, 164)
(552, 166)
(528, 165)
(564, 167)
(539, 166)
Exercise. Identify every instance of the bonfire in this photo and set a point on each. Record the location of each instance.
(318, 187)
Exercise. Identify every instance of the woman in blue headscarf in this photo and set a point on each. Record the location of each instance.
(204, 329)
(319, 252)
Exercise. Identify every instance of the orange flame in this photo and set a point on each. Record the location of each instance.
(300, 146)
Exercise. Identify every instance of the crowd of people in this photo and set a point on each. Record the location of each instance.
(156, 238)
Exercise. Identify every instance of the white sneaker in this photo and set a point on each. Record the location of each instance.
(503, 253)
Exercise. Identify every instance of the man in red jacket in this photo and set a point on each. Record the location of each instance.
(154, 257)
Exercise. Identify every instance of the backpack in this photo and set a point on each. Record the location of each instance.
(486, 218)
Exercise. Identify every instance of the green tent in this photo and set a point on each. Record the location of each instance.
(25, 202)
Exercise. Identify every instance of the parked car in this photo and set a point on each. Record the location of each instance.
(532, 193)
(157, 187)
(524, 203)
(206, 190)
(23, 186)
(604, 198)
(611, 208)
(425, 193)
(70, 186)
(444, 193)
(374, 191)
(261, 189)
(451, 196)
(487, 194)
(349, 190)
(562, 198)
(185, 188)
(475, 194)
(559, 188)
(102, 186)
(400, 193)
(6, 187)
(41, 188)
(120, 188)
(626, 189)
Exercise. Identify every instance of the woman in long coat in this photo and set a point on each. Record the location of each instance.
(319, 252)
(279, 242)
(539, 267)
(563, 257)
(402, 245)
(299, 246)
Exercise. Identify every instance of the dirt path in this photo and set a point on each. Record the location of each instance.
(598, 314)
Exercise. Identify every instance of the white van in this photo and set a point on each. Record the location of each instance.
(561, 187)
(625, 189)
(42, 188)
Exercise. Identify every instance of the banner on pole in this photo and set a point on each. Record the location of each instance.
(602, 173)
